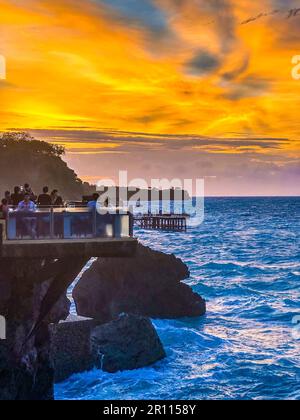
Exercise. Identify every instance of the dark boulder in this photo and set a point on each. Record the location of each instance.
(149, 284)
(80, 344)
(71, 347)
(127, 343)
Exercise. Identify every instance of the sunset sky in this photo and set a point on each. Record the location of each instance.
(162, 88)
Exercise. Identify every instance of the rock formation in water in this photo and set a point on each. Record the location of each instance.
(71, 347)
(32, 296)
(129, 342)
(149, 284)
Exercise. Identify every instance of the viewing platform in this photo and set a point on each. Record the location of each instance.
(63, 232)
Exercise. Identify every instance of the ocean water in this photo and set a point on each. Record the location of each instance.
(245, 261)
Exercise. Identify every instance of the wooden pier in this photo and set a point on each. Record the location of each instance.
(175, 223)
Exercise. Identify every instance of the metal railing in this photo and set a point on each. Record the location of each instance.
(67, 223)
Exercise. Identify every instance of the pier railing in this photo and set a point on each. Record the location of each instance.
(171, 222)
(57, 223)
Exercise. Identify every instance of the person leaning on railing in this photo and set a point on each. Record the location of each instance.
(28, 223)
(26, 204)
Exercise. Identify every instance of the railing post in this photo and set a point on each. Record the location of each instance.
(1, 237)
(117, 225)
(11, 227)
(51, 223)
(131, 223)
(95, 222)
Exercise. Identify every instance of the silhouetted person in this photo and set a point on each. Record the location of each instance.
(44, 199)
(7, 196)
(4, 207)
(28, 190)
(17, 196)
(92, 204)
(56, 199)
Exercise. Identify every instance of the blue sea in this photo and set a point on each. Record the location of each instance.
(245, 261)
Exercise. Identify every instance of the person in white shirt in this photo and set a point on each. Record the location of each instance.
(29, 223)
(27, 204)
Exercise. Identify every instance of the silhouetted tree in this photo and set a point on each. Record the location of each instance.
(26, 159)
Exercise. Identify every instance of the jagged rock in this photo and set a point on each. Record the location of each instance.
(32, 295)
(71, 347)
(149, 284)
(81, 344)
(127, 343)
(60, 310)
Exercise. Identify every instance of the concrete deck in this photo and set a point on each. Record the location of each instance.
(98, 247)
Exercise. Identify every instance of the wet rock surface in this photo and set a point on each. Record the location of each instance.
(149, 284)
(32, 296)
(71, 348)
(127, 343)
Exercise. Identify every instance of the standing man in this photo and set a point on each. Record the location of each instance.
(29, 222)
(44, 199)
(28, 189)
(17, 196)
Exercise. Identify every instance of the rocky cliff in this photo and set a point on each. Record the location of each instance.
(32, 296)
(149, 284)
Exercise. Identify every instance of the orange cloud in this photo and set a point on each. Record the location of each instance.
(83, 65)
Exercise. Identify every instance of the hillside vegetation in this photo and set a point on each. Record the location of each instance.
(25, 159)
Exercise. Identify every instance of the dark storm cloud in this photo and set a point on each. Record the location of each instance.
(285, 3)
(140, 12)
(203, 62)
(135, 142)
(249, 87)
